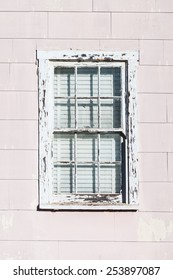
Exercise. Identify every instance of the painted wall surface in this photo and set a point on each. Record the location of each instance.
(113, 25)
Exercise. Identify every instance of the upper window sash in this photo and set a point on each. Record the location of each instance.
(98, 97)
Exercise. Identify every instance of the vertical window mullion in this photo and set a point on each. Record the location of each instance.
(75, 135)
(76, 108)
(98, 136)
(99, 113)
(123, 93)
(98, 161)
(125, 194)
(75, 162)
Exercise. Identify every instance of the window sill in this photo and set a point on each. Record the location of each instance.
(117, 207)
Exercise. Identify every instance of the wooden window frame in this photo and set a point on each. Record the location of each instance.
(47, 60)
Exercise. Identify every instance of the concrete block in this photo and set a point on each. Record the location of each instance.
(151, 52)
(23, 25)
(44, 5)
(24, 50)
(119, 45)
(79, 25)
(168, 54)
(156, 197)
(155, 79)
(142, 26)
(67, 44)
(152, 108)
(169, 107)
(153, 167)
(27, 250)
(23, 194)
(5, 50)
(155, 137)
(4, 197)
(5, 76)
(170, 167)
(162, 6)
(18, 164)
(23, 77)
(18, 105)
(62, 226)
(18, 134)
(115, 250)
(124, 6)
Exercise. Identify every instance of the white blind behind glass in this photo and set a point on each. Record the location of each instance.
(87, 160)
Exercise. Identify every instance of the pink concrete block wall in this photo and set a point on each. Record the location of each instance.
(94, 25)
(115, 25)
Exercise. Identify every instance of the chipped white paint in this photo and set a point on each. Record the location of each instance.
(154, 229)
(87, 56)
(7, 222)
(132, 130)
(45, 131)
(47, 61)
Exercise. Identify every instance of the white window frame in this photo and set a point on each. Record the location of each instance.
(47, 61)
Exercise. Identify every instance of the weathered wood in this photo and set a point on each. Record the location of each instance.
(47, 61)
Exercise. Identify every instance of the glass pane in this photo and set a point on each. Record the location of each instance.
(110, 148)
(110, 178)
(64, 82)
(63, 147)
(86, 147)
(87, 113)
(87, 178)
(110, 113)
(64, 113)
(110, 81)
(110, 86)
(63, 178)
(87, 81)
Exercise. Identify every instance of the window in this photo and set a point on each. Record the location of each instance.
(87, 130)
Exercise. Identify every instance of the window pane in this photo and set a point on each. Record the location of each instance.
(87, 113)
(64, 86)
(63, 147)
(64, 82)
(63, 151)
(86, 147)
(110, 86)
(110, 113)
(87, 81)
(63, 178)
(110, 147)
(64, 114)
(110, 174)
(87, 178)
(110, 178)
(110, 81)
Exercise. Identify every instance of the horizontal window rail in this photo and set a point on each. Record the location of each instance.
(89, 130)
(88, 97)
(87, 162)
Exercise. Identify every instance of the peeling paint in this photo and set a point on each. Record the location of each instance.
(47, 62)
(154, 230)
(7, 222)
(44, 164)
(88, 199)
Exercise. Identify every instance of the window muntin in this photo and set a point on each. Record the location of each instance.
(93, 93)
(89, 161)
(96, 101)
(88, 97)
